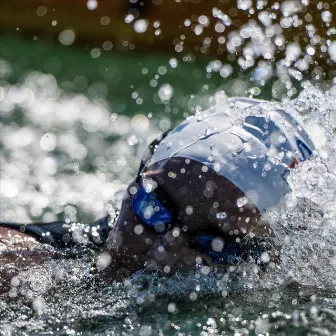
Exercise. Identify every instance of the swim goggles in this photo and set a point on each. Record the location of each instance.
(149, 209)
(145, 204)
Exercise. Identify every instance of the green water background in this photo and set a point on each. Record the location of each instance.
(115, 75)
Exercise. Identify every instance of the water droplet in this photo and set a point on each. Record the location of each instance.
(332, 50)
(140, 26)
(241, 201)
(166, 91)
(92, 4)
(217, 244)
(67, 37)
(221, 215)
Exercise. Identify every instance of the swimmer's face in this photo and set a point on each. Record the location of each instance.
(197, 199)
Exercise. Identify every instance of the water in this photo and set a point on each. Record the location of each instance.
(41, 176)
(60, 162)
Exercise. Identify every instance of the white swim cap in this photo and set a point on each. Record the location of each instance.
(253, 148)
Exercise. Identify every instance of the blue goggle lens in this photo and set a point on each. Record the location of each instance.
(149, 209)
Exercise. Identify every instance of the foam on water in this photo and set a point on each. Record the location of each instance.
(49, 160)
(305, 223)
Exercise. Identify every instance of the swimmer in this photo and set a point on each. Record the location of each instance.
(199, 194)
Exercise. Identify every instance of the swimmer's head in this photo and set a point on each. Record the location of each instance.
(182, 202)
(214, 176)
(185, 194)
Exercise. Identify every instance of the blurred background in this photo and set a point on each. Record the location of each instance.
(109, 48)
(85, 85)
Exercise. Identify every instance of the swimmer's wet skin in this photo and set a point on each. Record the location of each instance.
(199, 193)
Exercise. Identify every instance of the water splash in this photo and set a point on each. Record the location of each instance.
(305, 223)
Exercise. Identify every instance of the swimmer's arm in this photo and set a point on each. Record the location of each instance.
(17, 252)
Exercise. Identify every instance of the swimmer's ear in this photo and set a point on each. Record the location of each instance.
(150, 151)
